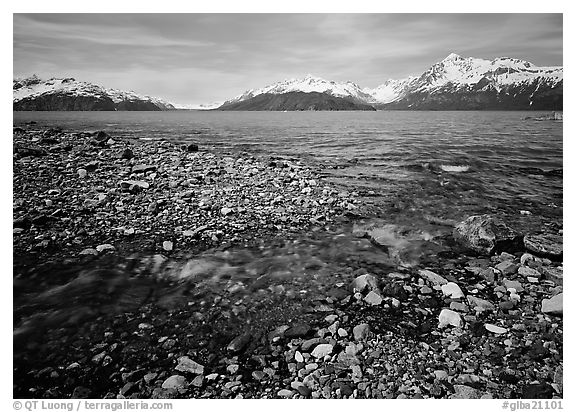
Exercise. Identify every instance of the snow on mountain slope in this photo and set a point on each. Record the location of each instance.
(309, 84)
(33, 87)
(455, 73)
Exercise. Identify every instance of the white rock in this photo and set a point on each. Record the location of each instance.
(452, 290)
(449, 317)
(174, 382)
(495, 329)
(185, 364)
(106, 246)
(432, 277)
(363, 282)
(554, 305)
(298, 356)
(322, 350)
(525, 258)
(373, 298)
(167, 245)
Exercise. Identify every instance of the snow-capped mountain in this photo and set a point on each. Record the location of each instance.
(309, 84)
(455, 83)
(33, 93)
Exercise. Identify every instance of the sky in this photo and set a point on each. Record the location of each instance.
(205, 58)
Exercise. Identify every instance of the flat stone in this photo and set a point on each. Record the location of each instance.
(458, 306)
(481, 304)
(322, 350)
(185, 364)
(89, 251)
(512, 284)
(432, 277)
(449, 317)
(197, 381)
(285, 393)
(547, 245)
(529, 272)
(495, 329)
(452, 290)
(174, 382)
(507, 268)
(134, 184)
(554, 305)
(373, 298)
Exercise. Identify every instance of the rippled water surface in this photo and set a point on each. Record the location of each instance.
(453, 163)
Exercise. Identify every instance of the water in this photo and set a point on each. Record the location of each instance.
(454, 163)
(422, 171)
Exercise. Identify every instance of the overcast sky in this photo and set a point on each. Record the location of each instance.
(204, 58)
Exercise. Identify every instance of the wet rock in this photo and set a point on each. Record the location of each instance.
(486, 234)
(432, 277)
(546, 245)
(185, 364)
(554, 305)
(449, 317)
(452, 290)
(361, 331)
(240, 342)
(126, 154)
(364, 282)
(174, 382)
(191, 147)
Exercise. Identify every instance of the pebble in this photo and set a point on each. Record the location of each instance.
(361, 331)
(449, 317)
(285, 393)
(167, 246)
(373, 298)
(82, 173)
(106, 246)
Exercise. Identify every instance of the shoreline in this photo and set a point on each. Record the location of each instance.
(347, 321)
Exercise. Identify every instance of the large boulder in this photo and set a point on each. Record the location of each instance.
(486, 234)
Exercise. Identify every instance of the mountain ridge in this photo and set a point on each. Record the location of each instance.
(68, 94)
(454, 83)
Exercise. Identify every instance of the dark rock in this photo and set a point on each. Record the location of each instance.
(127, 154)
(18, 130)
(80, 392)
(545, 245)
(486, 234)
(537, 391)
(101, 136)
(191, 147)
(240, 342)
(22, 222)
(30, 152)
(395, 290)
(297, 331)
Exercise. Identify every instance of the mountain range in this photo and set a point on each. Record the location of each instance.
(68, 94)
(455, 83)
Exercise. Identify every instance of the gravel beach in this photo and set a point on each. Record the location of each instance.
(145, 269)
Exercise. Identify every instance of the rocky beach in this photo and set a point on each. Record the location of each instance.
(149, 269)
